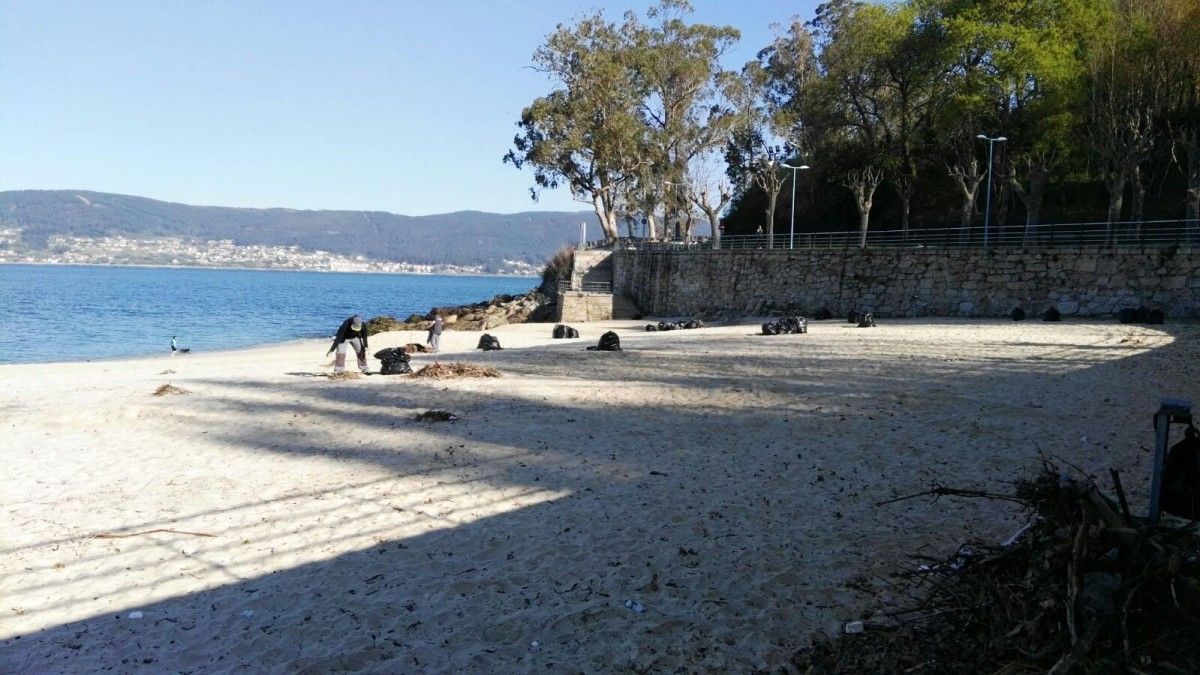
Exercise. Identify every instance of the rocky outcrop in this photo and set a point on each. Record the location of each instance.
(500, 310)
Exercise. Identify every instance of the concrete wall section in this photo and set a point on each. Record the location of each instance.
(920, 282)
(593, 266)
(574, 306)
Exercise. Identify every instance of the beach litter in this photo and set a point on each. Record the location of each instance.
(170, 390)
(136, 615)
(248, 613)
(446, 371)
(436, 416)
(1085, 587)
(635, 606)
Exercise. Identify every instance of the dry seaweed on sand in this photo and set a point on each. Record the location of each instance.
(1084, 588)
(445, 371)
(436, 416)
(344, 375)
(169, 390)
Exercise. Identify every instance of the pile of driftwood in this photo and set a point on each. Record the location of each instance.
(1084, 588)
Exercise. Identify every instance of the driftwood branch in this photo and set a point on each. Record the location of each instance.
(110, 535)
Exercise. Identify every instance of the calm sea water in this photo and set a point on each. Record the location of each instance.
(61, 313)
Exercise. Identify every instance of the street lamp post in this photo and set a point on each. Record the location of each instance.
(987, 209)
(792, 232)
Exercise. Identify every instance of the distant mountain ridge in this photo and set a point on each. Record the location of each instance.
(459, 238)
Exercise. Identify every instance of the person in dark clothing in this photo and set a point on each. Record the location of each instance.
(352, 332)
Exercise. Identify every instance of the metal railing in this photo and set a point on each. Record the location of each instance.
(1151, 234)
(585, 286)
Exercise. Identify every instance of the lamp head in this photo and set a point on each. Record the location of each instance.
(981, 137)
(1001, 139)
(803, 166)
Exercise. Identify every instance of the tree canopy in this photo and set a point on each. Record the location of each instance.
(1098, 103)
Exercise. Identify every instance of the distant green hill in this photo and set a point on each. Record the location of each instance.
(461, 238)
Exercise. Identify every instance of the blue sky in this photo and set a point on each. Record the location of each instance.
(396, 106)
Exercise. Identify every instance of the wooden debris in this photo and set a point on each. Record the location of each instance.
(170, 390)
(1082, 589)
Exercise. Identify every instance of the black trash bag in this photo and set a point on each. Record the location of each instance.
(770, 328)
(666, 325)
(559, 332)
(572, 333)
(651, 328)
(1156, 316)
(1127, 315)
(488, 343)
(866, 320)
(795, 324)
(1052, 314)
(694, 323)
(393, 361)
(1017, 314)
(823, 314)
(609, 342)
(1181, 477)
(1141, 314)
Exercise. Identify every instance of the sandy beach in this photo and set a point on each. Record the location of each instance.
(273, 520)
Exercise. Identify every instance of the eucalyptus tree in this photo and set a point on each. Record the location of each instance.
(757, 148)
(1125, 80)
(586, 133)
(1176, 28)
(682, 85)
(1017, 68)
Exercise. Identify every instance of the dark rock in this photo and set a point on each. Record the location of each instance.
(823, 314)
(1052, 314)
(651, 328)
(1156, 316)
(1017, 314)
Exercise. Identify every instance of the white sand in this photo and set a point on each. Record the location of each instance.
(725, 481)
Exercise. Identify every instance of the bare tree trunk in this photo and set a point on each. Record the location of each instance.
(651, 225)
(968, 176)
(1193, 177)
(905, 189)
(862, 185)
(1038, 168)
(1137, 204)
(607, 218)
(772, 197)
(1116, 199)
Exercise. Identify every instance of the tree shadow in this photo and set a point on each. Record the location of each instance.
(744, 523)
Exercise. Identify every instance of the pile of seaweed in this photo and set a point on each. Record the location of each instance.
(445, 371)
(1083, 588)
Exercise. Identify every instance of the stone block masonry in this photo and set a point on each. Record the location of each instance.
(1084, 282)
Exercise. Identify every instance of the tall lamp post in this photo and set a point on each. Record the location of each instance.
(987, 209)
(792, 233)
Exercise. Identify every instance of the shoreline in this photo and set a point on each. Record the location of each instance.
(269, 269)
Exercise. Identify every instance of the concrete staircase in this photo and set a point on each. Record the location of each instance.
(589, 296)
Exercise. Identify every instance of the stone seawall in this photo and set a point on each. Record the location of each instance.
(894, 282)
